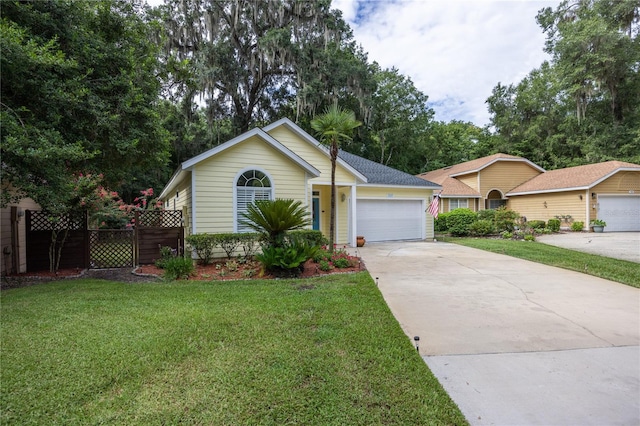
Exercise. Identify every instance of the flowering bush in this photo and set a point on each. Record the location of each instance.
(340, 258)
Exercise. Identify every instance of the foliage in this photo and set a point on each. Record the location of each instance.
(582, 106)
(529, 237)
(253, 60)
(311, 236)
(287, 259)
(505, 219)
(506, 235)
(482, 227)
(248, 243)
(487, 214)
(440, 224)
(166, 254)
(325, 265)
(598, 222)
(273, 219)
(536, 224)
(459, 221)
(332, 128)
(204, 245)
(228, 242)
(177, 268)
(577, 226)
(554, 224)
(79, 85)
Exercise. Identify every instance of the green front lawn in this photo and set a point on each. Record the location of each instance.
(621, 271)
(318, 351)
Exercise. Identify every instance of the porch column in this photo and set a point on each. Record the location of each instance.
(354, 228)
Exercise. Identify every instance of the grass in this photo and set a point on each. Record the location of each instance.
(622, 271)
(322, 351)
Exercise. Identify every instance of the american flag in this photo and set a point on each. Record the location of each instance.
(434, 206)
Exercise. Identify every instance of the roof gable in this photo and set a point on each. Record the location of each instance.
(572, 178)
(306, 137)
(474, 166)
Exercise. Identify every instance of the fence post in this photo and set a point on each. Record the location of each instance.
(86, 240)
(136, 238)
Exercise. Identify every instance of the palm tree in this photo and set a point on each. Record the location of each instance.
(274, 218)
(333, 127)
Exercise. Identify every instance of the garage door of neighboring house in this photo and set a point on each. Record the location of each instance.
(388, 220)
(620, 212)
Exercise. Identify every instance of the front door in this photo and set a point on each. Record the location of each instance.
(316, 213)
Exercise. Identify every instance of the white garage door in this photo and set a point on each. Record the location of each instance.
(387, 220)
(621, 212)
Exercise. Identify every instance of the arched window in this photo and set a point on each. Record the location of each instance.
(251, 186)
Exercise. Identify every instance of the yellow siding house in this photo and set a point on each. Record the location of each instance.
(281, 160)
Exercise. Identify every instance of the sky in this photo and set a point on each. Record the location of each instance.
(454, 51)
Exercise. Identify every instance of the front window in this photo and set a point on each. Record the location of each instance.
(458, 203)
(252, 185)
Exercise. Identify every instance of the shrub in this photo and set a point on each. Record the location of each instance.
(273, 219)
(324, 265)
(529, 237)
(553, 225)
(459, 221)
(204, 245)
(178, 268)
(440, 224)
(506, 235)
(577, 226)
(489, 214)
(249, 243)
(227, 242)
(166, 254)
(482, 227)
(288, 259)
(536, 224)
(505, 219)
(312, 237)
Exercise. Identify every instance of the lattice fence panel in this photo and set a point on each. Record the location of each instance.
(44, 221)
(159, 218)
(111, 248)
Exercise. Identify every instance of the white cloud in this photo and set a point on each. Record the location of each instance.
(454, 51)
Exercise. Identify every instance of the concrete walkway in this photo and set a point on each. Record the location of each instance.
(515, 342)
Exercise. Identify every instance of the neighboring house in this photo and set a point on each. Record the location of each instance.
(283, 161)
(482, 183)
(609, 191)
(13, 236)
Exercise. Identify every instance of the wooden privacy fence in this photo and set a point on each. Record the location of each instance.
(103, 248)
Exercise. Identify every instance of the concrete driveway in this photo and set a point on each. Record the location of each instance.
(619, 245)
(515, 342)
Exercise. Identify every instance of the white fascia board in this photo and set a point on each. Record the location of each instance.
(546, 191)
(460, 196)
(519, 160)
(263, 135)
(311, 140)
(608, 175)
(375, 185)
(177, 177)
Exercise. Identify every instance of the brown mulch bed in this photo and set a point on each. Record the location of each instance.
(217, 271)
(224, 270)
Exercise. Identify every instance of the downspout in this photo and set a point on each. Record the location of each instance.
(354, 204)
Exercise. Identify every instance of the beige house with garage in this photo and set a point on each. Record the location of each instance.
(283, 161)
(609, 191)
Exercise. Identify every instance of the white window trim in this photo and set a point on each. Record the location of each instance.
(234, 190)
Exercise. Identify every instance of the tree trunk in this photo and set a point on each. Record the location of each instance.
(332, 219)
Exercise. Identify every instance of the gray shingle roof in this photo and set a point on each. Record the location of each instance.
(381, 174)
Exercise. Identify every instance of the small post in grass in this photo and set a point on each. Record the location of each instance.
(416, 339)
(376, 281)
